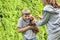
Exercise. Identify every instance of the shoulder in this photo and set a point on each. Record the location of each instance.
(20, 19)
(48, 7)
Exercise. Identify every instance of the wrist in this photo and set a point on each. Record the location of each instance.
(29, 27)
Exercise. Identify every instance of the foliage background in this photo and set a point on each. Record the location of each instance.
(10, 12)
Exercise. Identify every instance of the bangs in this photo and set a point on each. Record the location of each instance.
(25, 13)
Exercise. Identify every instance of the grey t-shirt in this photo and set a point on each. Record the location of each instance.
(51, 17)
(27, 34)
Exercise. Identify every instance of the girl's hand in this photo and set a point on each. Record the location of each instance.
(38, 16)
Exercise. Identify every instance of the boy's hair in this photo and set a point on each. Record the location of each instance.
(25, 12)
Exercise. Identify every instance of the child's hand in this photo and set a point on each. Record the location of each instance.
(38, 16)
(32, 27)
(31, 18)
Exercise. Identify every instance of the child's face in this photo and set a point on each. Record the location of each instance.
(26, 17)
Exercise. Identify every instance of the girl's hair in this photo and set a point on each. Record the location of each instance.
(53, 3)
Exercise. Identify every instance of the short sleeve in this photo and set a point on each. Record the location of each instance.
(19, 24)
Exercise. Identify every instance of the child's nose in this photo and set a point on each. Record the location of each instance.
(27, 17)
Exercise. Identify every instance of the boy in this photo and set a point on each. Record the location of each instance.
(24, 27)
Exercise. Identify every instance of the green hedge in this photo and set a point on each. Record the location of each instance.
(10, 12)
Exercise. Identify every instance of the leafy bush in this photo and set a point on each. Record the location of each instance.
(10, 12)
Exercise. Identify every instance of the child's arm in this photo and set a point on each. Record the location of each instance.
(23, 29)
(44, 20)
(20, 27)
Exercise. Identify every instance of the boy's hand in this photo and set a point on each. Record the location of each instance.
(38, 16)
(31, 18)
(31, 27)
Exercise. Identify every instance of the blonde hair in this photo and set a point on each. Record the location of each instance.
(26, 12)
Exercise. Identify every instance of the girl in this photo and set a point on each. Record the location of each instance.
(51, 17)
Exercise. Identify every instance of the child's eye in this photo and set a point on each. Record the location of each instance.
(25, 16)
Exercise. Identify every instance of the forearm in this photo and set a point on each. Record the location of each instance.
(44, 19)
(23, 29)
